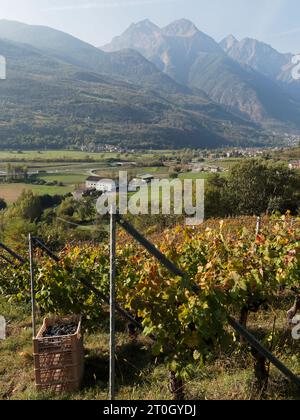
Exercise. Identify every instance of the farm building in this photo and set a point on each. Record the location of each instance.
(101, 185)
(91, 182)
(135, 184)
(146, 178)
(107, 185)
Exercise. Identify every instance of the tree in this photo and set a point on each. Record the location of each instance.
(27, 207)
(257, 186)
(67, 208)
(254, 187)
(173, 175)
(16, 231)
(215, 197)
(17, 172)
(86, 209)
(3, 204)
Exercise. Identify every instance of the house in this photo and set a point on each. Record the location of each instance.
(146, 178)
(295, 164)
(91, 182)
(107, 185)
(135, 184)
(139, 182)
(124, 164)
(215, 170)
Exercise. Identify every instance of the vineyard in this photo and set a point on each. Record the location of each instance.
(187, 345)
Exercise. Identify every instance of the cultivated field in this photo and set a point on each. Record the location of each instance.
(71, 168)
(11, 192)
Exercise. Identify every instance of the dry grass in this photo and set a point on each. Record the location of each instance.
(11, 192)
(139, 375)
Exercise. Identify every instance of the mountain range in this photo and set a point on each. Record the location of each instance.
(151, 87)
(248, 78)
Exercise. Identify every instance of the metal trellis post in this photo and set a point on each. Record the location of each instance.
(32, 285)
(112, 356)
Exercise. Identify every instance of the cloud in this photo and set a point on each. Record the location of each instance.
(106, 4)
(286, 33)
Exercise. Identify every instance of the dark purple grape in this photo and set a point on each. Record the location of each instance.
(59, 330)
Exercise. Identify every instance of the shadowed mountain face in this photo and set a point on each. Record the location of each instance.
(248, 78)
(49, 101)
(126, 65)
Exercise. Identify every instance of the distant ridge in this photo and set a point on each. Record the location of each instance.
(247, 77)
(178, 89)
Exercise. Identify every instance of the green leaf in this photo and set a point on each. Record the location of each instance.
(157, 349)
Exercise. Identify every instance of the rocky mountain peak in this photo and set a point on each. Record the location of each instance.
(181, 27)
(229, 42)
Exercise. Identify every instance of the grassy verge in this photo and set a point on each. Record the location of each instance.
(139, 375)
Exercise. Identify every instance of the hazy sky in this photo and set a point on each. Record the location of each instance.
(97, 21)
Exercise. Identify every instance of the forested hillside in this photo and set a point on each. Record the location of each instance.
(62, 92)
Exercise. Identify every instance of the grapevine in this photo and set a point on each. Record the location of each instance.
(231, 267)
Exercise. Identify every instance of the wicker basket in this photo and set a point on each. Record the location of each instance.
(59, 361)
